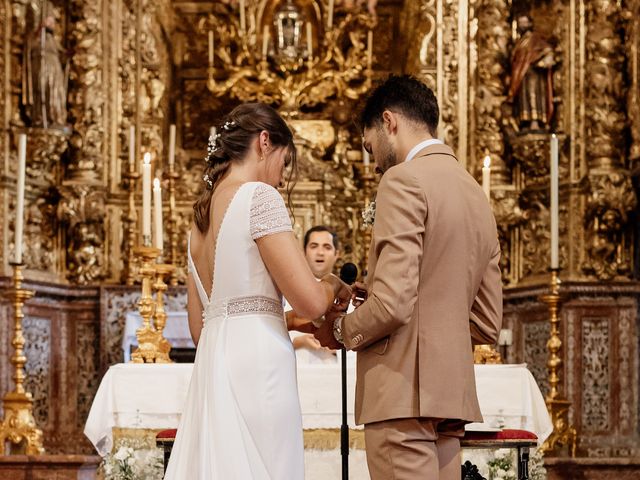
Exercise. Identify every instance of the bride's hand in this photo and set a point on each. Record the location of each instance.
(341, 293)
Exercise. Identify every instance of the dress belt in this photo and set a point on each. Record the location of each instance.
(244, 305)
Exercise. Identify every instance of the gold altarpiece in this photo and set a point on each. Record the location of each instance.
(144, 63)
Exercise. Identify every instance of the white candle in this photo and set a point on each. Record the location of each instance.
(132, 148)
(486, 177)
(553, 174)
(157, 214)
(243, 23)
(369, 48)
(22, 165)
(309, 40)
(211, 48)
(213, 132)
(366, 159)
(330, 15)
(265, 41)
(172, 145)
(146, 197)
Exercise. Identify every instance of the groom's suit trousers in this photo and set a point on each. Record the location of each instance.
(413, 449)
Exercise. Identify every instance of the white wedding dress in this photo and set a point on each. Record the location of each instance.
(242, 418)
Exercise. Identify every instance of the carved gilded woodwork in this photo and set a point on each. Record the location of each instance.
(611, 197)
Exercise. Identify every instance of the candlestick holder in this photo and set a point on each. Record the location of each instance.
(18, 425)
(151, 347)
(563, 433)
(129, 219)
(171, 177)
(486, 355)
(160, 315)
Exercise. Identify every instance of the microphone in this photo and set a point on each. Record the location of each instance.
(349, 274)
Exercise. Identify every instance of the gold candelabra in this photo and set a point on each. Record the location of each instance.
(172, 176)
(129, 220)
(18, 426)
(291, 70)
(563, 433)
(152, 346)
(160, 287)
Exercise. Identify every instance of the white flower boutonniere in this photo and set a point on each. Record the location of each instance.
(369, 214)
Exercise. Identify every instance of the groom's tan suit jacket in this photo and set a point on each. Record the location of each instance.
(434, 291)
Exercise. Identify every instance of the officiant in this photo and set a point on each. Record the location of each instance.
(321, 249)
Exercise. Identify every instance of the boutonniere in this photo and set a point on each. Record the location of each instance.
(369, 214)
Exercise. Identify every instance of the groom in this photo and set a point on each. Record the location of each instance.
(434, 291)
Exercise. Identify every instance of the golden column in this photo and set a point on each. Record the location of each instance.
(130, 218)
(172, 176)
(368, 177)
(558, 406)
(18, 425)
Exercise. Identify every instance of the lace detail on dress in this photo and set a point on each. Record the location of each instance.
(253, 304)
(268, 212)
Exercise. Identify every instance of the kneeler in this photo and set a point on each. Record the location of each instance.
(521, 440)
(164, 440)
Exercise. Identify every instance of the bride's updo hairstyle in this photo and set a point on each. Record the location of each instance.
(231, 144)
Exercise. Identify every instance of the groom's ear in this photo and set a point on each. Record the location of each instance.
(390, 121)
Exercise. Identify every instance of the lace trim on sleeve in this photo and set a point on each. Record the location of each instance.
(268, 213)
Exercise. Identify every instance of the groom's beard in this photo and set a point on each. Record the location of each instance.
(388, 157)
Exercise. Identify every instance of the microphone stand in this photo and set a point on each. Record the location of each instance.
(344, 428)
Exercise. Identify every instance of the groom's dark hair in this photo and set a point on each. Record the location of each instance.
(402, 94)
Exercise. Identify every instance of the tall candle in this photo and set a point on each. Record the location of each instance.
(243, 22)
(211, 48)
(330, 15)
(553, 173)
(22, 165)
(486, 176)
(213, 132)
(366, 159)
(265, 41)
(146, 197)
(369, 48)
(309, 40)
(172, 145)
(132, 148)
(157, 214)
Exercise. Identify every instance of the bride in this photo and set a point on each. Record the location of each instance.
(242, 415)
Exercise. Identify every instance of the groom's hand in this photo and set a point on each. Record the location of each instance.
(324, 334)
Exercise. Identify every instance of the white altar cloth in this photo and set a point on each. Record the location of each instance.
(152, 396)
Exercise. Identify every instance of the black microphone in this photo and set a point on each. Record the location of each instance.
(349, 274)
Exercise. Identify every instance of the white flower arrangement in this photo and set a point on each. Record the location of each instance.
(369, 214)
(501, 464)
(133, 460)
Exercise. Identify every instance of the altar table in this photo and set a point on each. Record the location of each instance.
(151, 396)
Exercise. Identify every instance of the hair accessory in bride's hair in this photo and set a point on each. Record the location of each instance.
(208, 181)
(213, 146)
(228, 125)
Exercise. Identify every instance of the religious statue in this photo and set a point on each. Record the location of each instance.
(44, 81)
(531, 87)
